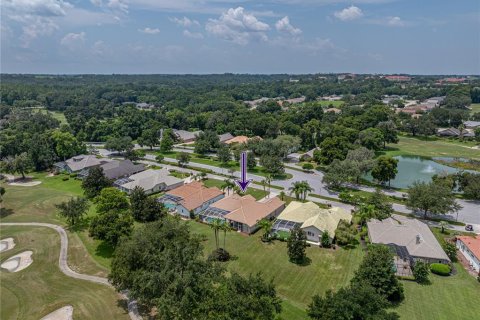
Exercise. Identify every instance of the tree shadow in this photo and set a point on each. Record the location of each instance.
(104, 250)
(5, 212)
(305, 262)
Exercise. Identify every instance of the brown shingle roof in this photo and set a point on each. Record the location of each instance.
(194, 194)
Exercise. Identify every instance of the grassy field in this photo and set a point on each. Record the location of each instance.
(432, 147)
(475, 108)
(42, 288)
(329, 269)
(56, 114)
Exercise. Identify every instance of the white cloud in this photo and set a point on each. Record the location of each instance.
(283, 25)
(350, 13)
(118, 5)
(148, 30)
(194, 35)
(395, 22)
(45, 8)
(185, 22)
(73, 41)
(34, 27)
(97, 3)
(237, 26)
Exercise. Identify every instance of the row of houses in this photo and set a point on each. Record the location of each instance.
(467, 132)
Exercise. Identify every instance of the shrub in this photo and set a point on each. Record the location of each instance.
(440, 269)
(65, 178)
(219, 254)
(159, 158)
(307, 166)
(420, 272)
(73, 175)
(325, 240)
(451, 251)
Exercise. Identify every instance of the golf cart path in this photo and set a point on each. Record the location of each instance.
(63, 265)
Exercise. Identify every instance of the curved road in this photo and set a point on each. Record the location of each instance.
(63, 265)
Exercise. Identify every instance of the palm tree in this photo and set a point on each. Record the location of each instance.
(268, 180)
(305, 189)
(461, 128)
(225, 227)
(296, 188)
(365, 213)
(264, 183)
(266, 226)
(228, 185)
(443, 225)
(282, 195)
(216, 225)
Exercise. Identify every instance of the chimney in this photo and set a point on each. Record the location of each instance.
(418, 239)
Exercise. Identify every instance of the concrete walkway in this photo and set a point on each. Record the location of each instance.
(63, 265)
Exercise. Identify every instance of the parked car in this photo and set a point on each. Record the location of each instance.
(469, 227)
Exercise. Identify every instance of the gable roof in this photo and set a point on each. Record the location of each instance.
(224, 137)
(194, 194)
(472, 243)
(408, 232)
(116, 169)
(247, 209)
(309, 214)
(148, 179)
(241, 139)
(84, 161)
(472, 124)
(186, 135)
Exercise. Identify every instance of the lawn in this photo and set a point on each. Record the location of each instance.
(256, 193)
(475, 108)
(329, 269)
(432, 147)
(56, 114)
(42, 288)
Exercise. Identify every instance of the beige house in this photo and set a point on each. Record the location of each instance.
(150, 181)
(243, 213)
(312, 219)
(411, 234)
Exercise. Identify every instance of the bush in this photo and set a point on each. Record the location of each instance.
(451, 251)
(420, 272)
(325, 240)
(440, 269)
(307, 166)
(65, 178)
(73, 175)
(159, 158)
(219, 254)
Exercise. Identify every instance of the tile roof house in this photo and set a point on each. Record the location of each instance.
(241, 139)
(448, 132)
(243, 213)
(470, 249)
(193, 196)
(312, 219)
(79, 163)
(116, 169)
(186, 136)
(150, 180)
(410, 233)
(472, 124)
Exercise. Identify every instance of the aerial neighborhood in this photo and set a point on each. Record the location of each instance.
(337, 195)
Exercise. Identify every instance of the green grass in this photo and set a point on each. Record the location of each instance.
(256, 193)
(55, 114)
(329, 269)
(432, 147)
(475, 108)
(42, 288)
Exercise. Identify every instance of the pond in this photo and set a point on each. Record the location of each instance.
(411, 169)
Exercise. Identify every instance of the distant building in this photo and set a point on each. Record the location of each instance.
(448, 132)
(312, 219)
(79, 163)
(472, 124)
(254, 103)
(412, 234)
(141, 105)
(116, 169)
(398, 78)
(186, 136)
(241, 139)
(150, 181)
(470, 249)
(334, 110)
(243, 213)
(191, 197)
(225, 137)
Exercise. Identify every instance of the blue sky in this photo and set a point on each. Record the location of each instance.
(217, 36)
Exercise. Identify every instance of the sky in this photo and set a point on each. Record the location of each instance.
(249, 36)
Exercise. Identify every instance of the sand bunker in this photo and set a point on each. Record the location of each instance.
(6, 244)
(64, 313)
(18, 262)
(25, 183)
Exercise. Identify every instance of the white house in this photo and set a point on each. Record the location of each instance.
(470, 249)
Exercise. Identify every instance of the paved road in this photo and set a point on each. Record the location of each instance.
(63, 265)
(470, 212)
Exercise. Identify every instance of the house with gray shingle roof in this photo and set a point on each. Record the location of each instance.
(150, 181)
(79, 163)
(116, 169)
